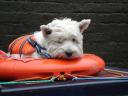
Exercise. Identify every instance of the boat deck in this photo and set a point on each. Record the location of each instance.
(81, 87)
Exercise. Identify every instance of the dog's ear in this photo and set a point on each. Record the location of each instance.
(45, 30)
(83, 24)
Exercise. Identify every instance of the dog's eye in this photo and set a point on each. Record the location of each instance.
(59, 42)
(74, 40)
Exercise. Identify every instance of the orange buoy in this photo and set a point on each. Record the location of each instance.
(13, 69)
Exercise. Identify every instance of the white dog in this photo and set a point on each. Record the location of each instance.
(62, 38)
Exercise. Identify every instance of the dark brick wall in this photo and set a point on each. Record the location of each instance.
(107, 35)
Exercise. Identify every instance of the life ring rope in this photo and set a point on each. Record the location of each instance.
(62, 77)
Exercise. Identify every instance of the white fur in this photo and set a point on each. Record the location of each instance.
(61, 39)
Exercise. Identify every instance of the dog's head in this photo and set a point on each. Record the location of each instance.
(64, 37)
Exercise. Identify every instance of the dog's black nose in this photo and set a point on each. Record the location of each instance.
(69, 54)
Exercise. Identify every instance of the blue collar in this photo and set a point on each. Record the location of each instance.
(39, 48)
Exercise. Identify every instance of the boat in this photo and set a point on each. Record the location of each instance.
(106, 81)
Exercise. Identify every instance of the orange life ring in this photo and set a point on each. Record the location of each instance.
(12, 69)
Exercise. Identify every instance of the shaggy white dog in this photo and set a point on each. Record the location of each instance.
(62, 38)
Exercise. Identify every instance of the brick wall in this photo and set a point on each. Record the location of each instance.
(107, 35)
